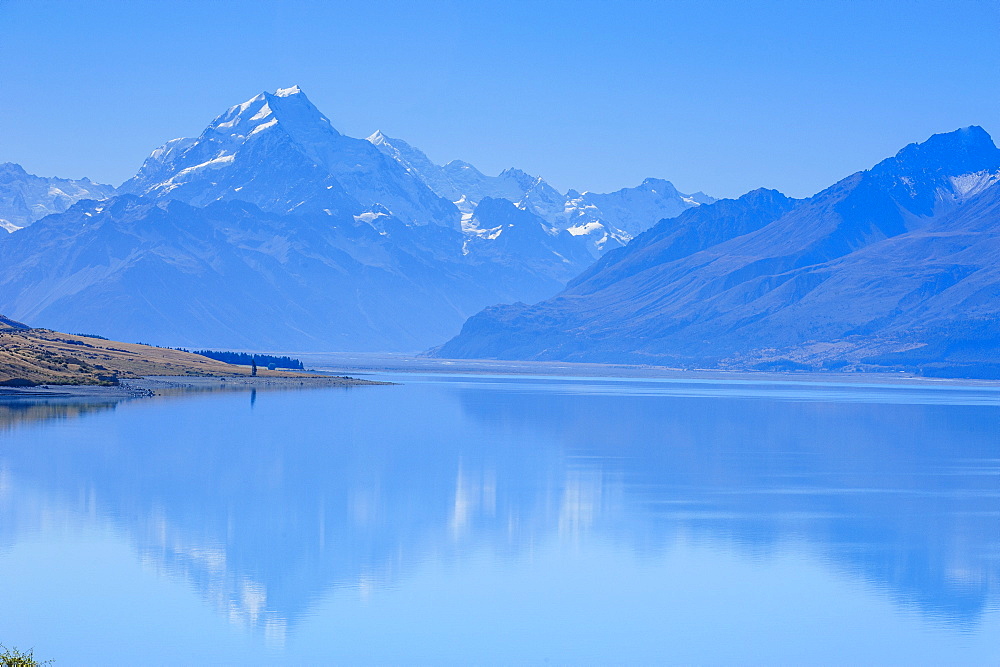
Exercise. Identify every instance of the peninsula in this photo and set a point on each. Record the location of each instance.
(30, 357)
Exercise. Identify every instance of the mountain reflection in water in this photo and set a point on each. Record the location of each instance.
(269, 504)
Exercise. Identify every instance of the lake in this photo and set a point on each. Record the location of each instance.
(457, 519)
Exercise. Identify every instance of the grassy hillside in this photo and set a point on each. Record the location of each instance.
(40, 356)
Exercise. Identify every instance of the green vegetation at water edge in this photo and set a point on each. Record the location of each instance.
(11, 657)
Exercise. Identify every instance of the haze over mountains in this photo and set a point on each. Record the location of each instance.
(894, 266)
(273, 229)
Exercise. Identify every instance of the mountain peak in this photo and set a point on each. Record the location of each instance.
(963, 151)
(966, 141)
(12, 168)
(514, 172)
(523, 179)
(287, 107)
(288, 92)
(659, 185)
(381, 139)
(940, 168)
(278, 151)
(973, 135)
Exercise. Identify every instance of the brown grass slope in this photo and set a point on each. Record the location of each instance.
(40, 356)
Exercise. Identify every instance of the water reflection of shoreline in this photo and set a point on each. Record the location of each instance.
(22, 411)
(320, 494)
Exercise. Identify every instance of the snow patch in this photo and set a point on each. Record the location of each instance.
(263, 126)
(587, 228)
(469, 225)
(216, 163)
(968, 185)
(368, 216)
(264, 112)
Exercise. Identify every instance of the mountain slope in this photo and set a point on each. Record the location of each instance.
(845, 275)
(230, 275)
(25, 198)
(39, 356)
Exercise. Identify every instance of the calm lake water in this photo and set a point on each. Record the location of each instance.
(460, 519)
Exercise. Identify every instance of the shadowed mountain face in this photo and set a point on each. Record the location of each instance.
(892, 259)
(231, 275)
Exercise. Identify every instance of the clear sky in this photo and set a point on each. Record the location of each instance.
(716, 96)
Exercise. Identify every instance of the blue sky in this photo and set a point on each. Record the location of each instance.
(716, 96)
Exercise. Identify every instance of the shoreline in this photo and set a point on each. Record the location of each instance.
(331, 370)
(160, 385)
(371, 363)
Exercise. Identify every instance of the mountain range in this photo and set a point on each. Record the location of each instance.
(271, 228)
(892, 267)
(25, 198)
(606, 221)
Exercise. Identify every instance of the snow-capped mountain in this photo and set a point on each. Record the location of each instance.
(893, 265)
(25, 198)
(279, 152)
(272, 228)
(628, 210)
(603, 221)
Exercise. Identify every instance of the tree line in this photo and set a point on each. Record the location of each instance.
(244, 359)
